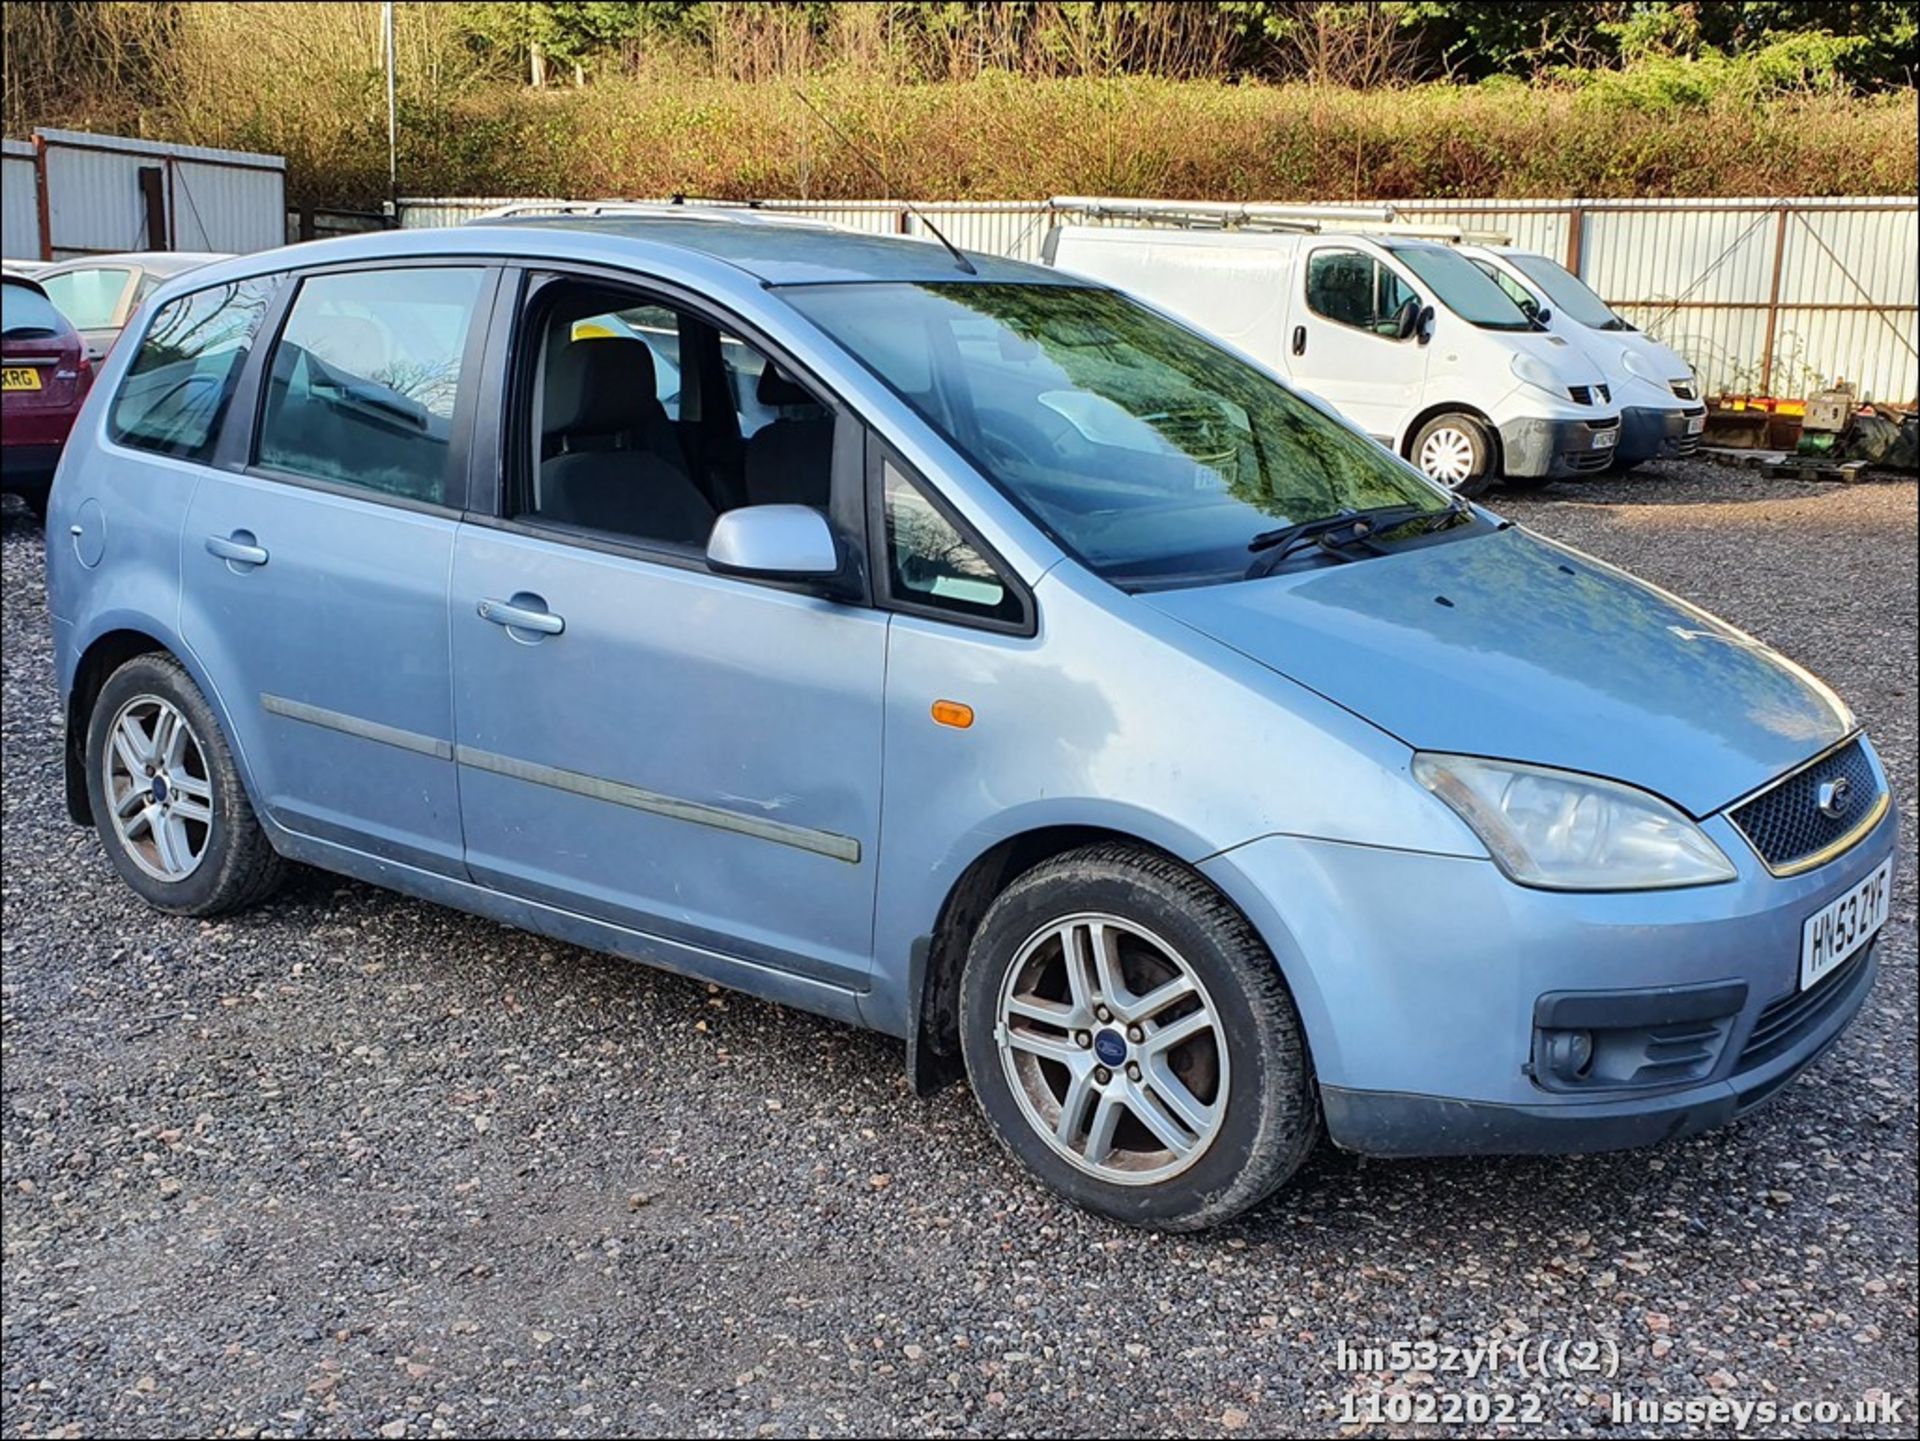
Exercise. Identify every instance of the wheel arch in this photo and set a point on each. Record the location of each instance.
(933, 993)
(113, 644)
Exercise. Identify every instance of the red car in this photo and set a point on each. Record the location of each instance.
(44, 375)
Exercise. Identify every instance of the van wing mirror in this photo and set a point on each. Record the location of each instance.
(1423, 326)
(774, 542)
(1406, 320)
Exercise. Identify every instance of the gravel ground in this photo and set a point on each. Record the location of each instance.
(352, 1165)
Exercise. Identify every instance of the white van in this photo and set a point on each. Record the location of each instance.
(1661, 413)
(1407, 338)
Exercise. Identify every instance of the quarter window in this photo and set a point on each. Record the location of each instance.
(930, 563)
(177, 388)
(365, 377)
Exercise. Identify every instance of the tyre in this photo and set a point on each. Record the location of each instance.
(167, 798)
(1456, 451)
(34, 497)
(1130, 1039)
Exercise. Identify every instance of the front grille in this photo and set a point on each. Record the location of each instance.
(1590, 459)
(1582, 395)
(1683, 389)
(1785, 824)
(1786, 1020)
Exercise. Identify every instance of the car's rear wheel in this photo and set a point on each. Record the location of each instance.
(167, 798)
(1456, 451)
(1130, 1039)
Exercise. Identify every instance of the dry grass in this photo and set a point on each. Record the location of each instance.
(305, 81)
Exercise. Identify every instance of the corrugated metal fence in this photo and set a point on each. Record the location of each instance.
(1762, 295)
(19, 201)
(86, 194)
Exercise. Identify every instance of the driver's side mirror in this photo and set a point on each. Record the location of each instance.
(774, 542)
(1542, 316)
(1421, 325)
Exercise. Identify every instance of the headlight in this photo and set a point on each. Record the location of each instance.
(1568, 832)
(1638, 365)
(1536, 372)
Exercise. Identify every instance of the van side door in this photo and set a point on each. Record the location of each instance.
(1345, 343)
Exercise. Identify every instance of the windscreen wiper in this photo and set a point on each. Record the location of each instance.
(1272, 547)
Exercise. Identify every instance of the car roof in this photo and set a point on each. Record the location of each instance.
(779, 249)
(747, 245)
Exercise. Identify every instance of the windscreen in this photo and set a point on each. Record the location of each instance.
(1144, 449)
(1459, 285)
(1568, 293)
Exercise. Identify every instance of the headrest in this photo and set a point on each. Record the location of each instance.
(775, 388)
(598, 386)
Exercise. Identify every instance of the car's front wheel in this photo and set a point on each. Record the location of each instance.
(1131, 1040)
(1456, 451)
(167, 798)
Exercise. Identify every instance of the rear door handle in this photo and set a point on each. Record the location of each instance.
(518, 614)
(238, 549)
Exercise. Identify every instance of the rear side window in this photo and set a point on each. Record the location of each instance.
(364, 379)
(190, 358)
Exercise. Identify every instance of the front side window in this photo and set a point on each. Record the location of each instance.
(648, 421)
(1571, 295)
(90, 299)
(1145, 450)
(364, 379)
(1340, 287)
(177, 389)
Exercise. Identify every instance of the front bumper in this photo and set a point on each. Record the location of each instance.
(1421, 981)
(1657, 433)
(1532, 446)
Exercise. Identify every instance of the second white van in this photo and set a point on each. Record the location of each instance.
(1406, 338)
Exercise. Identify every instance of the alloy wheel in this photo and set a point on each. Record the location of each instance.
(158, 790)
(1113, 1049)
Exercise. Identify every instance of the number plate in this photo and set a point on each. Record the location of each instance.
(19, 377)
(1696, 424)
(1836, 931)
(1606, 439)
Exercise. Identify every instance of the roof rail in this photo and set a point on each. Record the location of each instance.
(679, 208)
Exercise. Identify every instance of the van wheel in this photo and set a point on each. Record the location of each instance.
(1455, 451)
(167, 798)
(1130, 1039)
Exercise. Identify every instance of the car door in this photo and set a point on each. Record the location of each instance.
(688, 755)
(1345, 345)
(315, 572)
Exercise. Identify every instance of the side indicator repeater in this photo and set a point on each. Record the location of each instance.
(952, 713)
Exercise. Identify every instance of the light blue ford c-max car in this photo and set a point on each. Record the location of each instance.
(958, 649)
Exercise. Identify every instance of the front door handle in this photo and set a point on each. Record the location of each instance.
(241, 550)
(1299, 340)
(523, 613)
